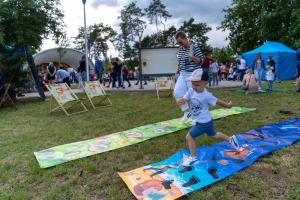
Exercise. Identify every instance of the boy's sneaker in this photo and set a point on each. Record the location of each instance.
(188, 162)
(234, 142)
(186, 116)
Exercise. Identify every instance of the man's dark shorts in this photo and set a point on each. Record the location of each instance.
(201, 128)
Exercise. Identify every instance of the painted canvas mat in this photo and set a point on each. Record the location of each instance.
(67, 152)
(168, 179)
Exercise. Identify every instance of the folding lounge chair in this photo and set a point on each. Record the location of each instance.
(94, 89)
(5, 99)
(164, 83)
(65, 98)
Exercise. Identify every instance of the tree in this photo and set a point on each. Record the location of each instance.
(167, 35)
(63, 43)
(197, 32)
(252, 21)
(29, 21)
(25, 23)
(223, 55)
(157, 12)
(98, 37)
(132, 26)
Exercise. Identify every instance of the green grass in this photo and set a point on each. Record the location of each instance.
(31, 128)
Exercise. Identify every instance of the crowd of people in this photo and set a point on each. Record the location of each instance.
(116, 76)
(250, 76)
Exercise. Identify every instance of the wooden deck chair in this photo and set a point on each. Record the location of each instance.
(65, 98)
(94, 89)
(164, 83)
(5, 99)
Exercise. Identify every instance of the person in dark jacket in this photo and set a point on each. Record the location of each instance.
(82, 69)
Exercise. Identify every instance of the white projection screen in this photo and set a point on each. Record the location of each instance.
(159, 61)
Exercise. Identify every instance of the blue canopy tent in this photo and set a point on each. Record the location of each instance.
(284, 57)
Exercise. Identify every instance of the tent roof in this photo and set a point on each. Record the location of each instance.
(70, 57)
(271, 47)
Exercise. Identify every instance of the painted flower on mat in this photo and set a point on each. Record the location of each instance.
(134, 134)
(158, 131)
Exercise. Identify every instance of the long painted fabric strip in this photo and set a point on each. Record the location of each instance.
(67, 152)
(168, 179)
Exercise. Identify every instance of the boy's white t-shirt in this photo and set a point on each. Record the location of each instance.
(199, 104)
(269, 75)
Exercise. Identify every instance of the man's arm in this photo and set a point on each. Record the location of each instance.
(224, 104)
(194, 58)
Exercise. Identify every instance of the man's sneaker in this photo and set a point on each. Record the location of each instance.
(234, 142)
(188, 162)
(186, 116)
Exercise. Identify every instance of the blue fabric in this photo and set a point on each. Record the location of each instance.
(61, 74)
(284, 57)
(298, 55)
(220, 160)
(201, 128)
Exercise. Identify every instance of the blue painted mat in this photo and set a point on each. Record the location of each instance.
(168, 179)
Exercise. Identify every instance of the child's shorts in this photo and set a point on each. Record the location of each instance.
(201, 128)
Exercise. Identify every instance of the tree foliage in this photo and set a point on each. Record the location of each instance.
(98, 36)
(197, 32)
(29, 21)
(25, 23)
(252, 21)
(157, 12)
(223, 55)
(132, 27)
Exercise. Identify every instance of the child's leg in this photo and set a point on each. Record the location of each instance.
(192, 145)
(221, 136)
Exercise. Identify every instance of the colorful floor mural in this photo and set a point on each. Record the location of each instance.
(168, 179)
(67, 152)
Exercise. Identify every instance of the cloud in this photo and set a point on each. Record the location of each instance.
(208, 11)
(112, 3)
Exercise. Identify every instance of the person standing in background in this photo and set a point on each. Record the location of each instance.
(125, 74)
(82, 69)
(205, 66)
(98, 68)
(51, 71)
(242, 68)
(259, 68)
(272, 64)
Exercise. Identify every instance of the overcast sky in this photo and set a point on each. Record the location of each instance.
(107, 12)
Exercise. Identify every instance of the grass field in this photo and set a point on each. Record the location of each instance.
(31, 128)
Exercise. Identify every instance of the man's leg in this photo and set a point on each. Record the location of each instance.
(181, 87)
